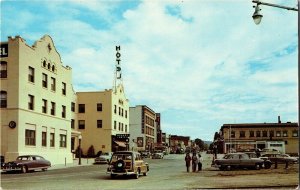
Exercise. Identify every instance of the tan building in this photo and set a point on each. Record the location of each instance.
(103, 120)
(280, 136)
(36, 99)
(143, 132)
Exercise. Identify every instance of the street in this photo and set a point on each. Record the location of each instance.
(167, 173)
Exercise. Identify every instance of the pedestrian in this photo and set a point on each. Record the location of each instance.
(188, 159)
(195, 161)
(200, 162)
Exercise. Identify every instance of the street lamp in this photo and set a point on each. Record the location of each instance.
(79, 149)
(257, 16)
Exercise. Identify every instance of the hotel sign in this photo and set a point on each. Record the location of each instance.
(4, 50)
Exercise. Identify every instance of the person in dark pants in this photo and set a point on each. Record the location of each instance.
(199, 162)
(195, 162)
(188, 159)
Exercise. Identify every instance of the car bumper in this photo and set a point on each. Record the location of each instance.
(120, 173)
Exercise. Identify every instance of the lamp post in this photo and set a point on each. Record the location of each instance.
(79, 149)
(257, 16)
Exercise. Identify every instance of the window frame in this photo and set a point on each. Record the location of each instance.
(99, 123)
(31, 72)
(44, 139)
(31, 102)
(3, 99)
(81, 124)
(30, 137)
(62, 140)
(3, 69)
(44, 80)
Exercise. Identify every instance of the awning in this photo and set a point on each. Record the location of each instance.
(120, 143)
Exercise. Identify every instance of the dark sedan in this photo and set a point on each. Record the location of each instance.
(26, 163)
(238, 160)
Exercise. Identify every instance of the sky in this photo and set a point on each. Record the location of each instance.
(200, 63)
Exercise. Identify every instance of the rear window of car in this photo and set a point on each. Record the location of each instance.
(122, 157)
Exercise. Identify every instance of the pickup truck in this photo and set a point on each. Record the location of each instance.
(240, 160)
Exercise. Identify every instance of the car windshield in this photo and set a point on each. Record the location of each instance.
(23, 158)
(122, 156)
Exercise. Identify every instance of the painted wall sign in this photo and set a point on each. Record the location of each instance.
(4, 50)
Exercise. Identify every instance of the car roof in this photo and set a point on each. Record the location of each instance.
(30, 156)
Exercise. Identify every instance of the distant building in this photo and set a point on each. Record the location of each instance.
(143, 132)
(280, 136)
(36, 101)
(179, 142)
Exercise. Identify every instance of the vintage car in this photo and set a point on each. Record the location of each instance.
(239, 160)
(145, 154)
(127, 163)
(26, 163)
(280, 158)
(104, 158)
(158, 154)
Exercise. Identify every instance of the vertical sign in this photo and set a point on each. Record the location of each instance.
(4, 50)
(118, 62)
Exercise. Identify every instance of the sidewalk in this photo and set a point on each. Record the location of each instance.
(84, 162)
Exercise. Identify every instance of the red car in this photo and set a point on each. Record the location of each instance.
(26, 163)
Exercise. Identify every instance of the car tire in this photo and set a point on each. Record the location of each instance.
(112, 176)
(267, 165)
(228, 167)
(24, 169)
(44, 169)
(257, 166)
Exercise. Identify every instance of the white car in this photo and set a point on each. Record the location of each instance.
(104, 158)
(158, 155)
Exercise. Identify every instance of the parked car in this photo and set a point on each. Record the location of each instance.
(269, 151)
(145, 154)
(158, 154)
(26, 163)
(104, 158)
(238, 160)
(280, 158)
(127, 163)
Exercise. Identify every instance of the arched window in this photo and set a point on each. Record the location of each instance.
(3, 69)
(3, 99)
(53, 68)
(44, 63)
(49, 65)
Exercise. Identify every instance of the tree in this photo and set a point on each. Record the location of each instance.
(200, 143)
(91, 152)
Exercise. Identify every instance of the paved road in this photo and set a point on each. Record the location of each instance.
(168, 173)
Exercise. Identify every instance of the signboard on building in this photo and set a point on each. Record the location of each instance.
(140, 142)
(4, 50)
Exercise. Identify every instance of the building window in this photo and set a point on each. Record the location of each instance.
(295, 133)
(125, 113)
(265, 134)
(64, 88)
(242, 134)
(251, 134)
(63, 113)
(72, 123)
(45, 80)
(81, 124)
(119, 126)
(3, 69)
(63, 141)
(99, 123)
(29, 137)
(53, 84)
(119, 110)
(284, 133)
(30, 74)
(278, 133)
(44, 108)
(81, 108)
(3, 99)
(257, 133)
(52, 108)
(125, 128)
(30, 102)
(115, 109)
(73, 107)
(52, 139)
(115, 125)
(271, 133)
(99, 107)
(232, 135)
(44, 138)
